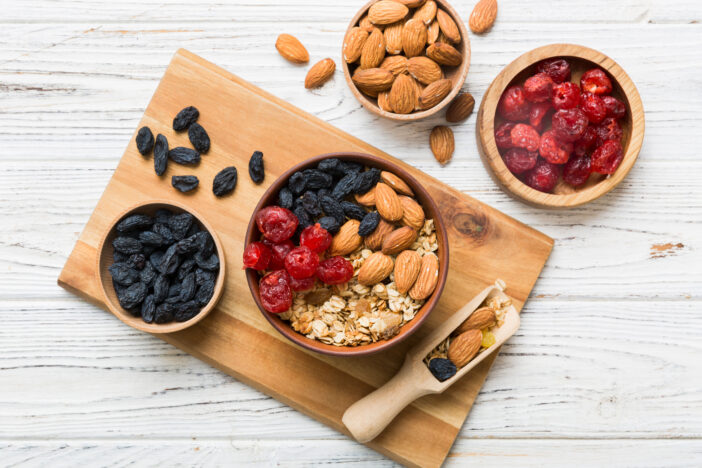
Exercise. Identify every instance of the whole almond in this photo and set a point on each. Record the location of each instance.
(373, 51)
(386, 201)
(424, 70)
(481, 318)
(368, 198)
(320, 73)
(427, 279)
(483, 16)
(384, 104)
(346, 240)
(353, 44)
(386, 12)
(375, 269)
(442, 144)
(444, 54)
(464, 347)
(414, 37)
(399, 240)
(291, 49)
(402, 97)
(426, 13)
(406, 270)
(460, 108)
(375, 240)
(393, 38)
(435, 93)
(420, 89)
(397, 64)
(442, 38)
(396, 183)
(432, 32)
(412, 213)
(372, 80)
(365, 24)
(412, 3)
(448, 26)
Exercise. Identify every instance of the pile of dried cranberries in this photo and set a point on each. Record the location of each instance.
(584, 135)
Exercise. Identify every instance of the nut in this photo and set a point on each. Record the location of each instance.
(368, 198)
(444, 54)
(375, 240)
(464, 347)
(427, 279)
(414, 37)
(412, 213)
(424, 70)
(483, 16)
(384, 105)
(353, 44)
(373, 50)
(434, 93)
(407, 267)
(460, 108)
(375, 269)
(426, 13)
(386, 201)
(432, 32)
(320, 73)
(397, 64)
(398, 240)
(482, 318)
(448, 26)
(403, 95)
(442, 144)
(365, 24)
(291, 49)
(372, 80)
(386, 12)
(412, 3)
(393, 38)
(396, 183)
(346, 240)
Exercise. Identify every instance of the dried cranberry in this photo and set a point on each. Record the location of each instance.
(335, 270)
(276, 223)
(274, 290)
(607, 157)
(525, 136)
(615, 107)
(596, 81)
(609, 129)
(537, 114)
(519, 160)
(257, 255)
(278, 253)
(316, 238)
(569, 124)
(304, 284)
(543, 177)
(593, 107)
(538, 88)
(503, 136)
(553, 150)
(513, 105)
(565, 95)
(557, 68)
(301, 262)
(577, 170)
(586, 142)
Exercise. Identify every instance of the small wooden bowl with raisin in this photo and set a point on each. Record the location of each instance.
(106, 258)
(564, 195)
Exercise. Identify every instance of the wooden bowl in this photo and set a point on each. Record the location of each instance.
(581, 59)
(457, 75)
(105, 259)
(432, 212)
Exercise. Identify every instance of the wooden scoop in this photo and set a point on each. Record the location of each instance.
(367, 418)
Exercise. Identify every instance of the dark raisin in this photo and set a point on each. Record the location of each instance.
(162, 216)
(144, 140)
(225, 181)
(150, 238)
(161, 286)
(303, 218)
(366, 181)
(323, 193)
(137, 261)
(160, 155)
(127, 245)
(204, 292)
(186, 267)
(333, 208)
(148, 274)
(164, 313)
(205, 243)
(350, 166)
(187, 287)
(353, 211)
(317, 179)
(119, 289)
(123, 274)
(185, 311)
(155, 259)
(256, 171)
(345, 186)
(180, 224)
(207, 263)
(368, 224)
(148, 309)
(297, 183)
(194, 229)
(132, 296)
(170, 261)
(203, 276)
(184, 183)
(185, 156)
(173, 294)
(199, 138)
(134, 222)
(311, 204)
(285, 198)
(185, 118)
(330, 224)
(442, 368)
(165, 233)
(119, 257)
(188, 245)
(329, 165)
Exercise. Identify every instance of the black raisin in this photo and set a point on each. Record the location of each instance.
(285, 198)
(199, 138)
(155, 259)
(148, 250)
(303, 218)
(368, 224)
(317, 179)
(333, 208)
(165, 233)
(256, 171)
(148, 309)
(184, 183)
(186, 267)
(311, 204)
(144, 140)
(126, 245)
(225, 181)
(185, 118)
(174, 293)
(353, 211)
(162, 216)
(185, 156)
(442, 368)
(180, 224)
(345, 186)
(329, 165)
(119, 257)
(207, 263)
(160, 154)
(187, 287)
(188, 245)
(137, 261)
(194, 229)
(123, 274)
(350, 166)
(134, 222)
(150, 238)
(330, 224)
(164, 313)
(161, 286)
(205, 244)
(186, 311)
(204, 292)
(170, 261)
(203, 276)
(132, 296)
(366, 181)
(323, 193)
(297, 183)
(148, 274)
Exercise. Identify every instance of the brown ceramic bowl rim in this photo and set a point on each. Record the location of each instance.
(137, 322)
(417, 115)
(407, 329)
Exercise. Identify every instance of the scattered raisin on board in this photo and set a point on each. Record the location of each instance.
(199, 138)
(184, 156)
(185, 118)
(256, 171)
(160, 155)
(184, 183)
(144, 140)
(225, 181)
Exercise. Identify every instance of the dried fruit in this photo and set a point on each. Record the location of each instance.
(183, 155)
(366, 180)
(386, 12)
(310, 203)
(396, 64)
(276, 223)
(519, 160)
(412, 213)
(426, 13)
(483, 317)
(403, 95)
(569, 124)
(387, 202)
(256, 171)
(414, 37)
(442, 369)
(577, 170)
(593, 107)
(330, 223)
(557, 68)
(123, 274)
(185, 118)
(126, 245)
(148, 309)
(291, 49)
(375, 240)
(373, 50)
(464, 347)
(353, 211)
(525, 136)
(301, 262)
(134, 222)
(320, 73)
(444, 54)
(144, 140)
(375, 269)
(586, 142)
(225, 181)
(434, 93)
(503, 135)
(160, 154)
(513, 105)
(333, 208)
(368, 223)
(483, 16)
(393, 39)
(596, 81)
(257, 255)
(353, 44)
(365, 24)
(442, 143)
(315, 238)
(537, 114)
(335, 270)
(565, 95)
(207, 263)
(615, 108)
(608, 129)
(607, 157)
(275, 292)
(347, 239)
(199, 138)
(278, 253)
(553, 150)
(543, 176)
(184, 183)
(424, 70)
(133, 296)
(373, 80)
(179, 225)
(297, 183)
(488, 339)
(407, 267)
(448, 26)
(205, 292)
(398, 240)
(303, 284)
(188, 288)
(538, 88)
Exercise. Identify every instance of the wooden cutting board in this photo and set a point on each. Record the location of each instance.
(240, 118)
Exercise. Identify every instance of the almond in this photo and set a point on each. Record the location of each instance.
(346, 240)
(414, 37)
(372, 80)
(442, 144)
(365, 24)
(426, 12)
(375, 240)
(386, 12)
(444, 54)
(432, 32)
(393, 38)
(291, 49)
(386, 201)
(384, 104)
(375, 269)
(424, 70)
(412, 3)
(442, 38)
(368, 198)
(464, 347)
(427, 279)
(398, 240)
(397, 64)
(483, 16)
(406, 270)
(320, 73)
(435, 93)
(373, 50)
(448, 26)
(460, 108)
(481, 318)
(403, 96)
(396, 183)
(353, 44)
(420, 89)
(412, 213)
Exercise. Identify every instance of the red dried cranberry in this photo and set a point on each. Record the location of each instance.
(607, 157)
(519, 160)
(503, 136)
(615, 107)
(586, 142)
(566, 95)
(301, 262)
(513, 105)
(569, 124)
(538, 88)
(304, 284)
(593, 107)
(276, 223)
(577, 170)
(543, 177)
(595, 81)
(278, 253)
(557, 68)
(537, 114)
(257, 255)
(316, 238)
(609, 129)
(274, 290)
(553, 150)
(525, 136)
(335, 270)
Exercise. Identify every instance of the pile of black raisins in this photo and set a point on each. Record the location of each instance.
(165, 266)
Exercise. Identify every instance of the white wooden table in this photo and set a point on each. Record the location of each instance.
(606, 369)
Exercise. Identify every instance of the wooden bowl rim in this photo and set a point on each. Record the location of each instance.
(137, 322)
(457, 85)
(486, 119)
(406, 330)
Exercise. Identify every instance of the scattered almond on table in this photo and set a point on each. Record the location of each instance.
(483, 16)
(442, 143)
(291, 49)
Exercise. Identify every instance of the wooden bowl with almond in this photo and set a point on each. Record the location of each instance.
(406, 59)
(374, 283)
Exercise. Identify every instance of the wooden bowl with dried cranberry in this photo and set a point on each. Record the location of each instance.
(346, 254)
(560, 126)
